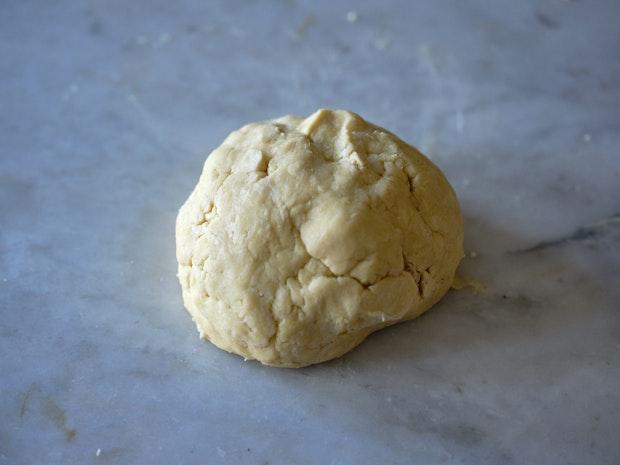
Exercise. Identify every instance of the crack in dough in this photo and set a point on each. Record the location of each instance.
(304, 235)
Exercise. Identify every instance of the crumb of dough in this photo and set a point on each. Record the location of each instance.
(463, 282)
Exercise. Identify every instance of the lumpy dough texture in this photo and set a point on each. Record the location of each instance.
(304, 235)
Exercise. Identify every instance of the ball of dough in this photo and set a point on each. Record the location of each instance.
(305, 235)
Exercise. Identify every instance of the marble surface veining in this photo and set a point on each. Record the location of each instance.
(108, 110)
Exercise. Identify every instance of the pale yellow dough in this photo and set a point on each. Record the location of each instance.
(304, 235)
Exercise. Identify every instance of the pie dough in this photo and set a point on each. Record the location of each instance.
(305, 235)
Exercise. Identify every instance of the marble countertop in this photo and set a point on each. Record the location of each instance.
(108, 110)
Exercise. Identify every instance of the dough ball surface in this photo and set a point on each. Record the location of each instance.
(304, 235)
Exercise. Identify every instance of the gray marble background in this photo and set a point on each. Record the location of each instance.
(107, 112)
